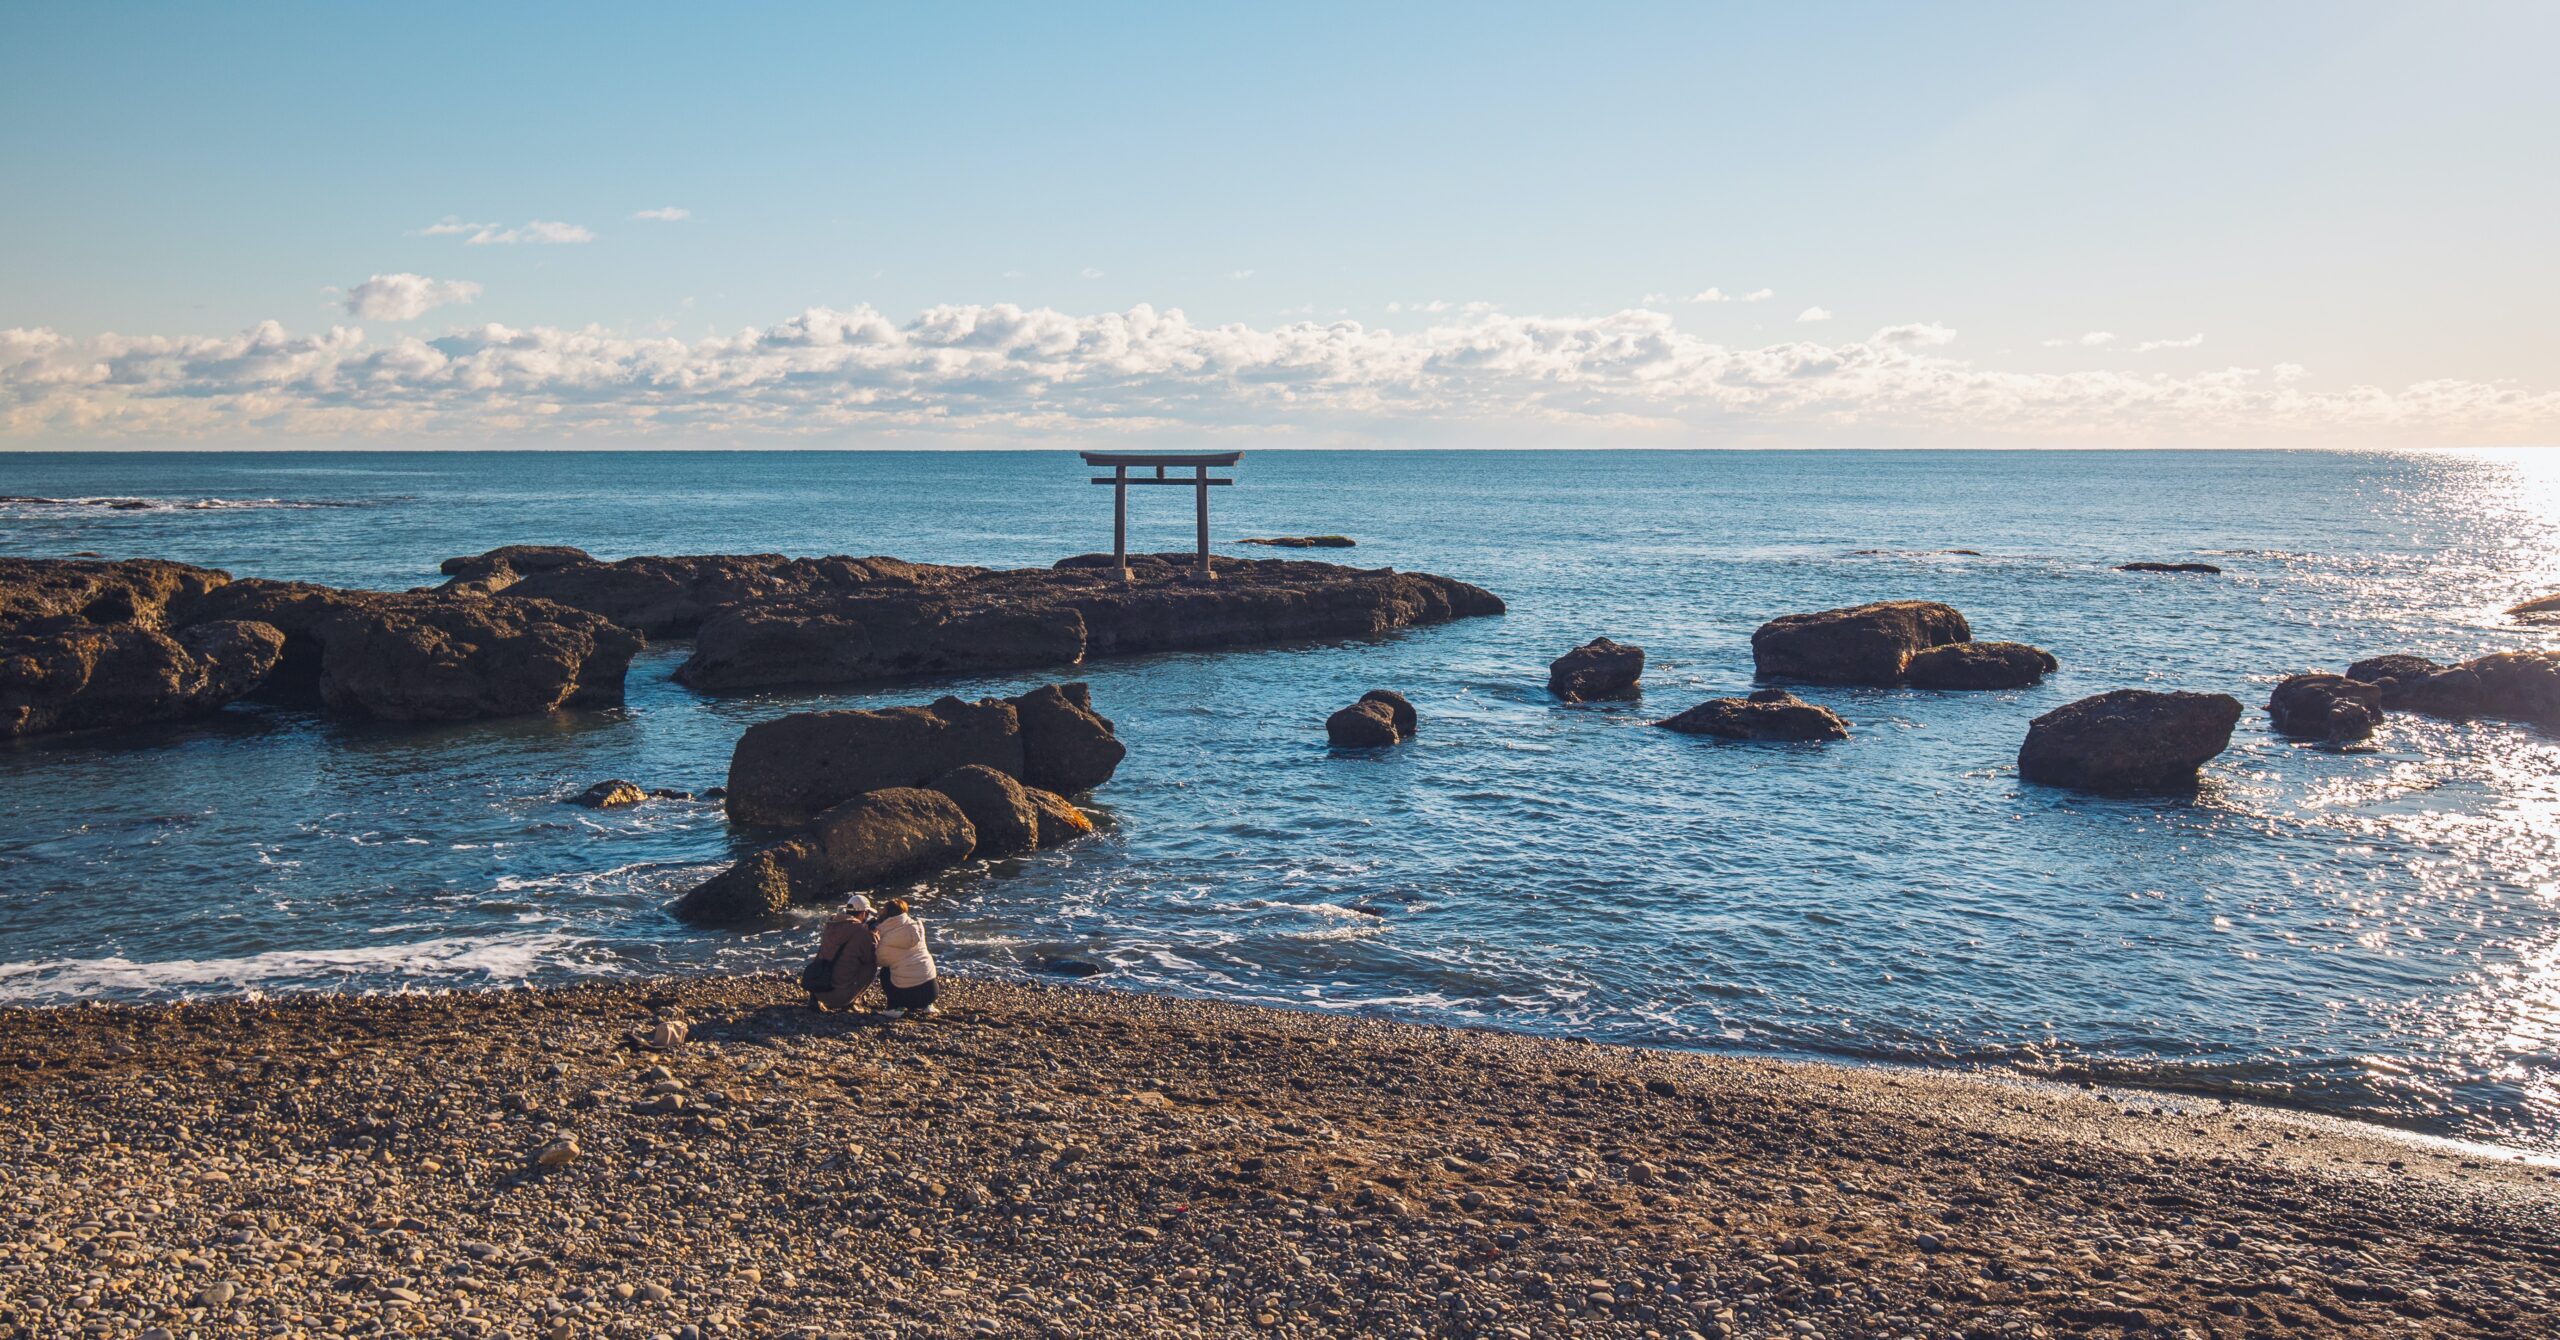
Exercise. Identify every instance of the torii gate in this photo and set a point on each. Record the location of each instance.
(1200, 481)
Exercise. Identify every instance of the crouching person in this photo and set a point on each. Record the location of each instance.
(848, 958)
(906, 966)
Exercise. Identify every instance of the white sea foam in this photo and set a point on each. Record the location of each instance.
(506, 958)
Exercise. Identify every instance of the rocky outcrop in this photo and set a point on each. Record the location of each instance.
(1363, 725)
(2540, 609)
(1305, 542)
(134, 591)
(1067, 747)
(1596, 670)
(2332, 708)
(672, 597)
(2148, 566)
(964, 620)
(428, 657)
(1979, 665)
(1398, 707)
(2393, 674)
(1060, 821)
(2508, 686)
(890, 834)
(64, 673)
(2128, 741)
(784, 772)
(1000, 808)
(1864, 644)
(1770, 714)
(500, 568)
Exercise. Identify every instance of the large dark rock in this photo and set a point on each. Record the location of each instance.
(1595, 670)
(1399, 707)
(1067, 747)
(1865, 644)
(2128, 741)
(427, 657)
(136, 591)
(610, 795)
(2508, 685)
(1305, 542)
(431, 657)
(64, 673)
(1770, 714)
(892, 834)
(1362, 725)
(2393, 675)
(2149, 566)
(1000, 809)
(1979, 665)
(787, 771)
(1060, 820)
(963, 620)
(856, 639)
(2334, 708)
(671, 597)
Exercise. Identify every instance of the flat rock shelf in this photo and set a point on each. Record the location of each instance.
(1065, 1161)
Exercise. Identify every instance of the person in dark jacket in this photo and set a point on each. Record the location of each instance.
(854, 947)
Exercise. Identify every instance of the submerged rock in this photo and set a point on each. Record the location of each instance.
(1363, 725)
(1863, 644)
(2334, 708)
(2149, 566)
(1407, 722)
(414, 657)
(785, 771)
(612, 795)
(2540, 609)
(1979, 665)
(1596, 670)
(1305, 541)
(62, 673)
(889, 834)
(2128, 741)
(1770, 714)
(999, 808)
(970, 620)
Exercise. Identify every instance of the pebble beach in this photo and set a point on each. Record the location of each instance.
(708, 1157)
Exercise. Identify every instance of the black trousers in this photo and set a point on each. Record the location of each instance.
(909, 997)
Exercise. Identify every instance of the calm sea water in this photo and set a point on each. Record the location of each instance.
(2374, 934)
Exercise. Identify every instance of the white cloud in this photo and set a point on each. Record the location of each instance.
(665, 214)
(1091, 272)
(1760, 295)
(1710, 295)
(1814, 314)
(2096, 339)
(1013, 374)
(406, 297)
(1239, 274)
(1656, 300)
(2189, 342)
(537, 232)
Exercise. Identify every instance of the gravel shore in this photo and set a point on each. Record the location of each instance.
(1066, 1161)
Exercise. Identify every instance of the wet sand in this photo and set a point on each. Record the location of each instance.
(1062, 1161)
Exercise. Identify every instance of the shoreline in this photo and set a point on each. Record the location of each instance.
(1055, 1159)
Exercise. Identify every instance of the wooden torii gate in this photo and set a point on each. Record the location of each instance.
(1200, 481)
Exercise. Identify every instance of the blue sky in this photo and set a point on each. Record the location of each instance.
(1481, 223)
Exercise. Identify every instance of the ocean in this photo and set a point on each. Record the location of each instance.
(2375, 935)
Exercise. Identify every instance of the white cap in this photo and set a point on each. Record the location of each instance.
(857, 903)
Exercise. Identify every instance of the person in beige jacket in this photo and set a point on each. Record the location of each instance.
(906, 966)
(854, 947)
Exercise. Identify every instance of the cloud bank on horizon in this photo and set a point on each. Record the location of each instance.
(999, 373)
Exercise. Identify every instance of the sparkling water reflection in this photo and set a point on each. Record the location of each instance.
(2376, 934)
